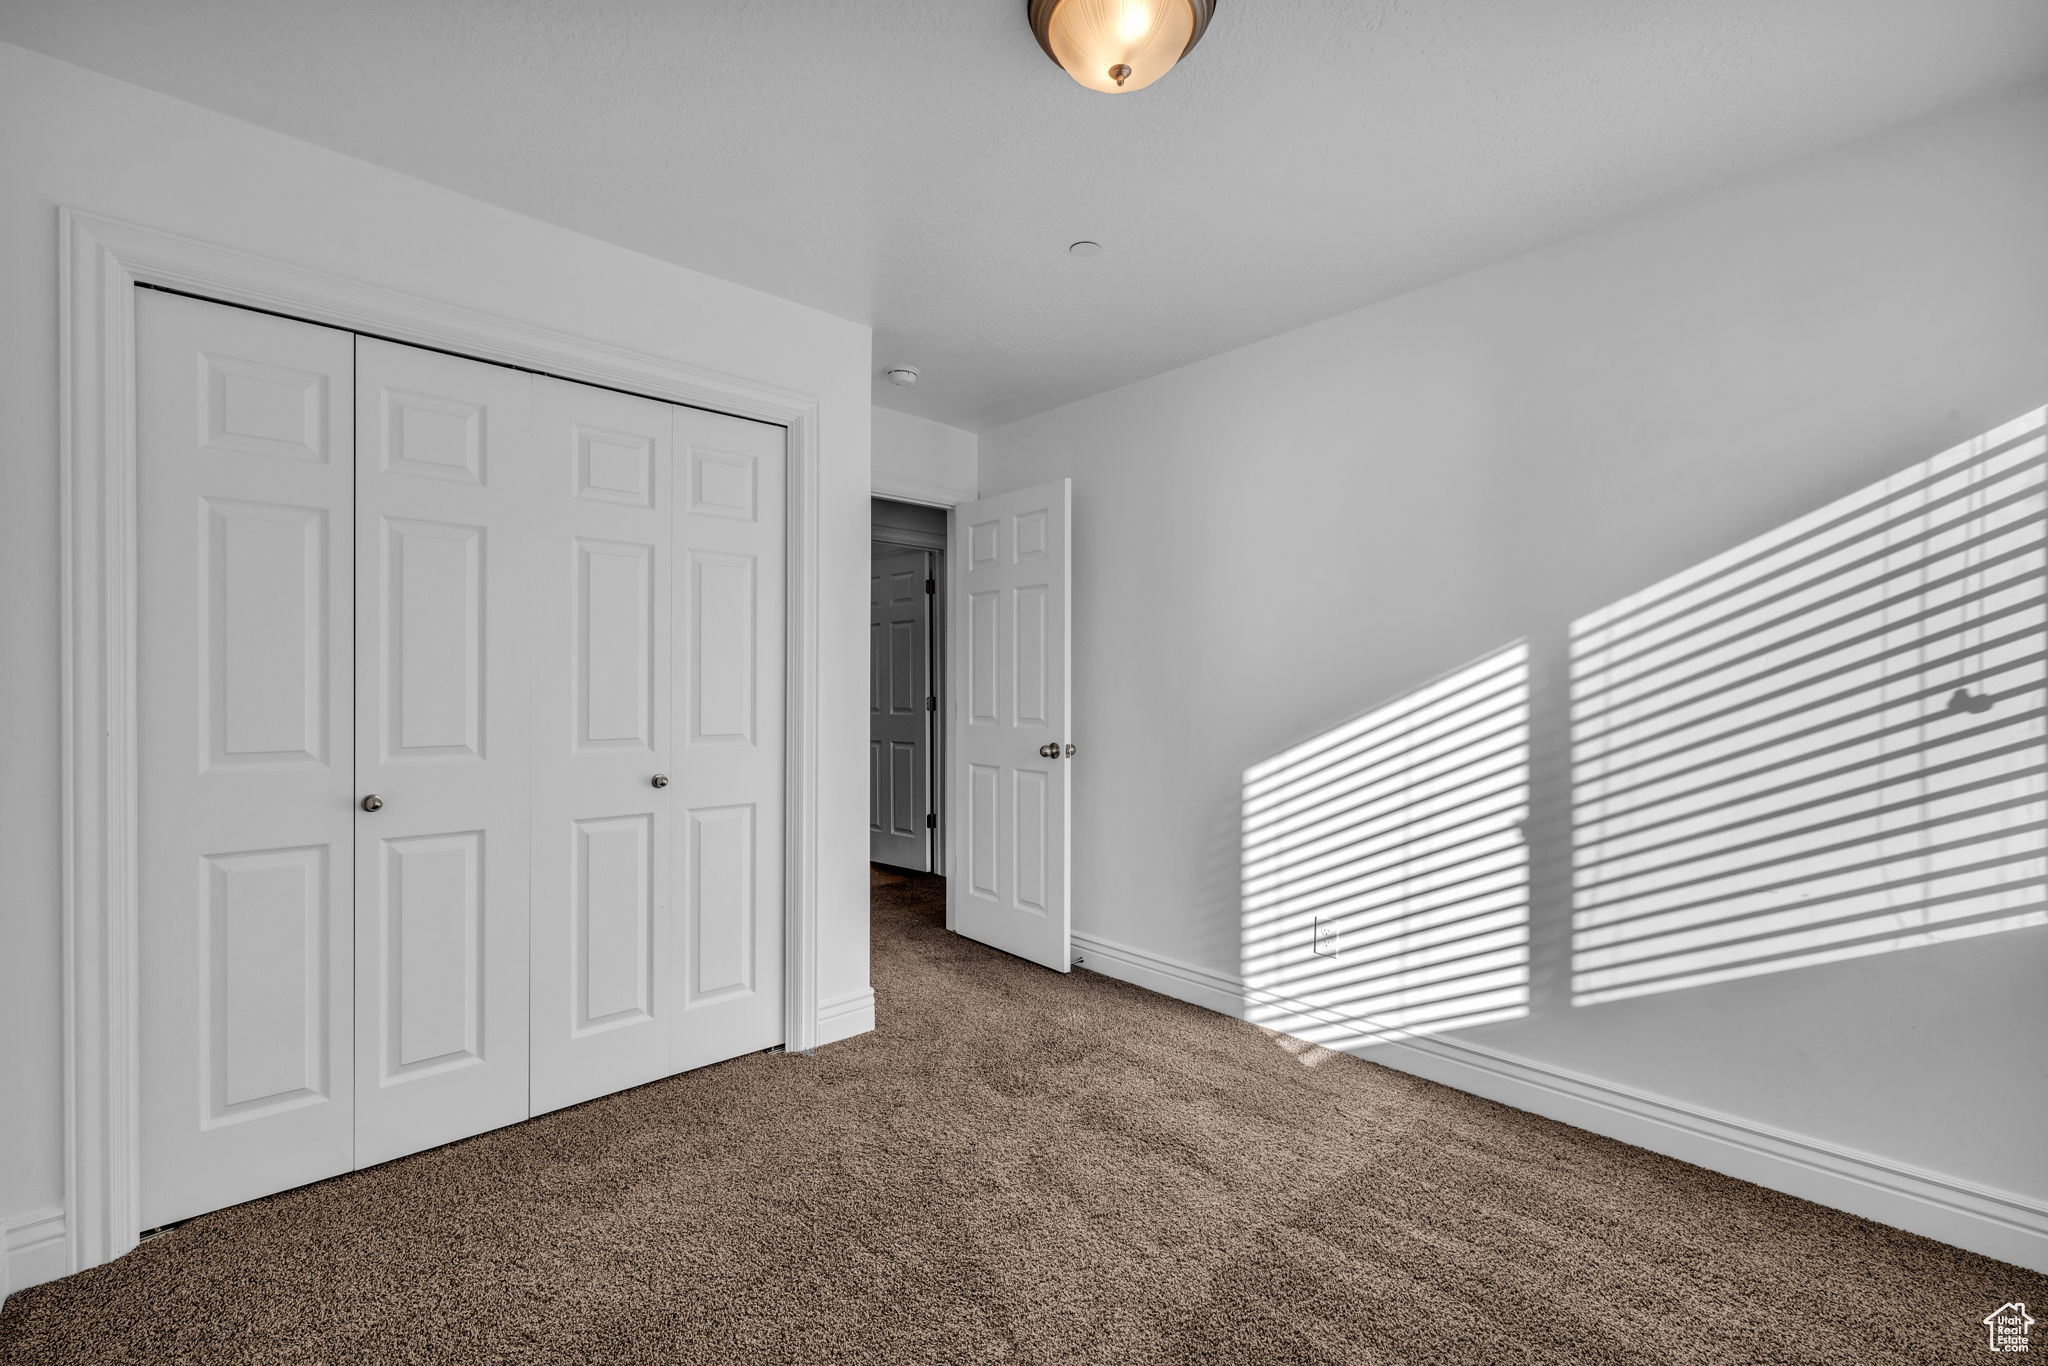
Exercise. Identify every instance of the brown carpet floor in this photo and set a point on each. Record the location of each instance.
(1023, 1168)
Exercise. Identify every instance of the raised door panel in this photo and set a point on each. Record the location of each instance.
(260, 408)
(728, 697)
(984, 679)
(603, 509)
(244, 870)
(904, 685)
(1031, 813)
(614, 639)
(266, 961)
(429, 914)
(1031, 656)
(266, 605)
(718, 913)
(431, 435)
(984, 817)
(614, 466)
(612, 939)
(444, 651)
(906, 805)
(725, 661)
(433, 605)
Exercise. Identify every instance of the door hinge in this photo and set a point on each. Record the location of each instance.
(931, 585)
(931, 704)
(931, 820)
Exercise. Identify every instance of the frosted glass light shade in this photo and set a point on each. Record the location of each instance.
(1117, 46)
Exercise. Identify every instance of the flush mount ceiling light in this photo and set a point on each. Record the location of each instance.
(1117, 46)
(902, 376)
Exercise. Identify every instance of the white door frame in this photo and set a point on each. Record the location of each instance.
(100, 261)
(901, 488)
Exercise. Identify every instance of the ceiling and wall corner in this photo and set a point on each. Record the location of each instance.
(1309, 157)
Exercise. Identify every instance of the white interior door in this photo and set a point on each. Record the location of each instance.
(728, 699)
(444, 646)
(1009, 694)
(604, 741)
(899, 710)
(245, 795)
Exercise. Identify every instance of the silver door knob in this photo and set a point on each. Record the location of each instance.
(373, 802)
(1048, 751)
(659, 780)
(1070, 751)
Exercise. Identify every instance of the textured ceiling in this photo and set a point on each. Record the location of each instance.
(919, 165)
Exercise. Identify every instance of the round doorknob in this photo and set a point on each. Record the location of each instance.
(659, 780)
(1070, 751)
(373, 802)
(1048, 751)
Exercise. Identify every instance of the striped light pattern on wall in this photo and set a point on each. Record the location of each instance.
(1824, 744)
(1385, 876)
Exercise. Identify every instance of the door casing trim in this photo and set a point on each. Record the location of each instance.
(100, 262)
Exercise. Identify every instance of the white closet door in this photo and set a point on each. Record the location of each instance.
(603, 830)
(244, 797)
(1010, 686)
(443, 651)
(731, 613)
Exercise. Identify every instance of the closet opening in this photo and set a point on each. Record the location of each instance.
(328, 537)
(462, 717)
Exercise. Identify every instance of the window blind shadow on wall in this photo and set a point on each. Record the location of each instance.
(1384, 872)
(1824, 744)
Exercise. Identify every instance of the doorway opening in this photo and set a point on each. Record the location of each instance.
(984, 772)
(906, 641)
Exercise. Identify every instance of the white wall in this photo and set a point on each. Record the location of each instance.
(1274, 540)
(69, 137)
(921, 460)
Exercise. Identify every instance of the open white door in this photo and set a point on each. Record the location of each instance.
(1010, 703)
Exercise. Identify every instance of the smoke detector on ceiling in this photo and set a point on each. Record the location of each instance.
(902, 375)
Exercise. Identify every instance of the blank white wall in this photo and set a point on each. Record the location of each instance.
(1277, 539)
(74, 138)
(917, 458)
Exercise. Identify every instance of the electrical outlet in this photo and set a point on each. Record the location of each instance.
(1328, 942)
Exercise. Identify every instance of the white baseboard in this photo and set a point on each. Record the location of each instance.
(1996, 1223)
(842, 1017)
(906, 489)
(1156, 972)
(36, 1250)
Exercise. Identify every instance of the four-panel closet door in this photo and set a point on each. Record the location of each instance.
(461, 771)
